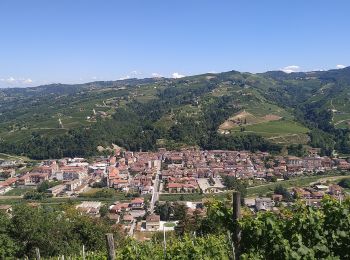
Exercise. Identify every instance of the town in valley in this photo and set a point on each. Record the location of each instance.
(130, 188)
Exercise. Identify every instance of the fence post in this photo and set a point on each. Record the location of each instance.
(37, 253)
(236, 204)
(110, 246)
(83, 252)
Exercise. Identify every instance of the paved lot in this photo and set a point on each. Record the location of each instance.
(204, 184)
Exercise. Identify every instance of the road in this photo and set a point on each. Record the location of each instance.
(155, 194)
(131, 231)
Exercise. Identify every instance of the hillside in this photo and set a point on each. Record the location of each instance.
(226, 110)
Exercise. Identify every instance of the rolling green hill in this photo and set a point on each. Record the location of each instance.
(230, 110)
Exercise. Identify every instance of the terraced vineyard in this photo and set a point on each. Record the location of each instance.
(224, 110)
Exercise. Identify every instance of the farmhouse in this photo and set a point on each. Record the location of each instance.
(152, 222)
(54, 191)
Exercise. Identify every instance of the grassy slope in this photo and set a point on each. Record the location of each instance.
(40, 112)
(281, 131)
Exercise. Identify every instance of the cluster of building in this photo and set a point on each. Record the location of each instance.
(192, 170)
(312, 196)
(189, 170)
(74, 175)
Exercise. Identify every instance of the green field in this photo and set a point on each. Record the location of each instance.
(296, 182)
(18, 191)
(273, 128)
(115, 195)
(281, 131)
(191, 197)
(75, 200)
(169, 224)
(4, 156)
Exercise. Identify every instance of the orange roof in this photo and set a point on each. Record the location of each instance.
(128, 217)
(175, 185)
(9, 181)
(112, 172)
(138, 200)
(116, 181)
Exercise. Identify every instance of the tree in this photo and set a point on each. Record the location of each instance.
(233, 183)
(165, 211)
(33, 195)
(66, 228)
(344, 183)
(8, 247)
(287, 196)
(104, 210)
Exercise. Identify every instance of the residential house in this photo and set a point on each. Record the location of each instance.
(137, 204)
(33, 179)
(91, 208)
(264, 204)
(56, 190)
(152, 222)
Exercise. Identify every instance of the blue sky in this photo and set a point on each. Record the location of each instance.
(72, 41)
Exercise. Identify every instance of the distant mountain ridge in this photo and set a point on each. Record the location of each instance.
(204, 110)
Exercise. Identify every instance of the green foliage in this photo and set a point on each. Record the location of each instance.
(8, 246)
(34, 195)
(179, 113)
(105, 193)
(208, 247)
(135, 125)
(287, 196)
(165, 211)
(233, 183)
(218, 219)
(296, 150)
(53, 231)
(325, 141)
(45, 185)
(302, 233)
(345, 183)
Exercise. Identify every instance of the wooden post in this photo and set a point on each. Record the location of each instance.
(231, 242)
(37, 253)
(164, 242)
(110, 246)
(83, 252)
(236, 203)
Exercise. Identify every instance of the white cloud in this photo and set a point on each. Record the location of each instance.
(132, 74)
(135, 73)
(28, 81)
(125, 77)
(291, 68)
(14, 81)
(340, 66)
(156, 75)
(177, 75)
(94, 78)
(10, 80)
